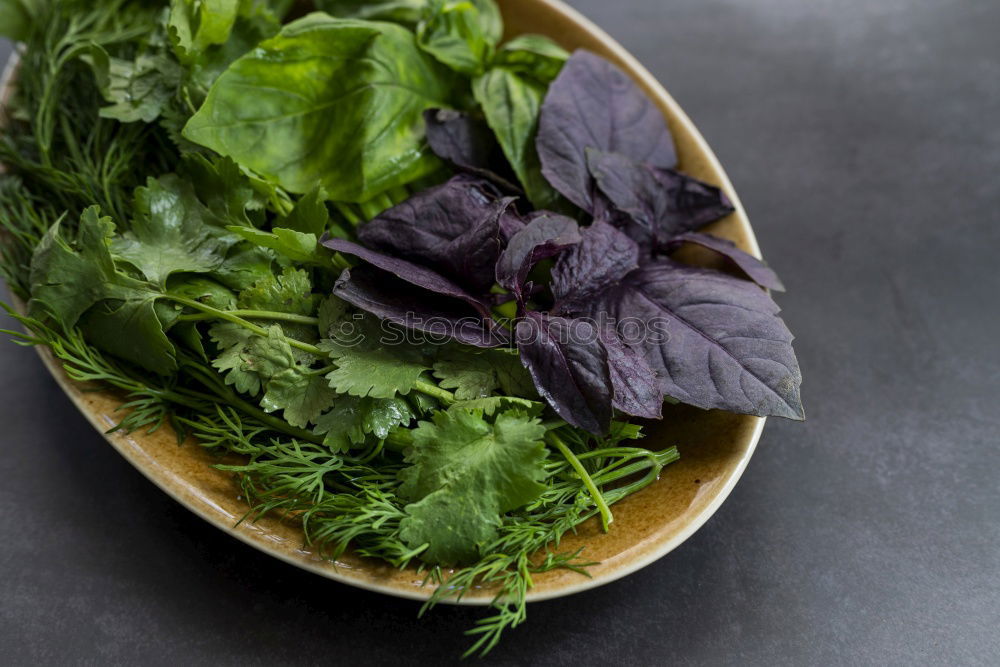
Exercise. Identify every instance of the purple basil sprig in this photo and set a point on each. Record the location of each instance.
(627, 324)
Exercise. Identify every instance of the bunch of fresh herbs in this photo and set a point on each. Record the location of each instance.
(421, 281)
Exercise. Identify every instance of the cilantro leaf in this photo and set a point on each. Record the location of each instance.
(247, 360)
(168, 234)
(133, 331)
(352, 418)
(137, 90)
(490, 405)
(297, 246)
(289, 292)
(302, 395)
(72, 274)
(203, 290)
(224, 188)
(233, 340)
(69, 274)
(474, 374)
(268, 356)
(514, 378)
(331, 311)
(371, 369)
(195, 25)
(468, 375)
(310, 215)
(465, 472)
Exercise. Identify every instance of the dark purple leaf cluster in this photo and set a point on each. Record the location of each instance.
(617, 324)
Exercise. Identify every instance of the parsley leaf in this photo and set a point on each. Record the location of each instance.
(466, 472)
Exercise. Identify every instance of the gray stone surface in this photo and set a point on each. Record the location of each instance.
(865, 142)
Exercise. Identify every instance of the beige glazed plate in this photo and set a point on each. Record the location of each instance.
(714, 446)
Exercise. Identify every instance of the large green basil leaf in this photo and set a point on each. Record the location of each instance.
(511, 104)
(334, 102)
(462, 34)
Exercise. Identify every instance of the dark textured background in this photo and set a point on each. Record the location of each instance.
(864, 139)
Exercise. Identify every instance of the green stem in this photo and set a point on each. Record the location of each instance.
(619, 470)
(207, 379)
(372, 207)
(398, 194)
(423, 387)
(399, 439)
(595, 493)
(282, 204)
(229, 317)
(255, 315)
(340, 262)
(348, 213)
(435, 391)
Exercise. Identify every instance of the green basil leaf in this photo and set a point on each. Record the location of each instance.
(511, 104)
(534, 56)
(462, 34)
(337, 103)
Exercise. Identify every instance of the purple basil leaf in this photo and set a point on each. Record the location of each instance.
(714, 340)
(390, 298)
(413, 274)
(662, 203)
(545, 236)
(603, 257)
(569, 366)
(593, 104)
(469, 144)
(756, 270)
(636, 387)
(510, 224)
(453, 228)
(472, 256)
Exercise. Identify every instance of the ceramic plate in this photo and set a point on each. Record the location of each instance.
(714, 446)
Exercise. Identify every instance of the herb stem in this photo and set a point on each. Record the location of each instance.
(422, 386)
(595, 493)
(435, 391)
(348, 213)
(399, 439)
(279, 425)
(235, 319)
(340, 261)
(255, 315)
